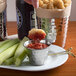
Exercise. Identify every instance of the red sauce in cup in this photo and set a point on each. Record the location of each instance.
(37, 46)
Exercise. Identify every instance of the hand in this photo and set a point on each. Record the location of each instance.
(35, 3)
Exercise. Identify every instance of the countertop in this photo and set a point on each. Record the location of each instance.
(67, 69)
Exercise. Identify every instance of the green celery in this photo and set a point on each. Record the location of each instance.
(9, 61)
(20, 58)
(8, 44)
(8, 53)
(20, 53)
(20, 48)
(4, 42)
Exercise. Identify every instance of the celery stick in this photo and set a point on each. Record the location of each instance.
(9, 44)
(20, 59)
(4, 42)
(9, 61)
(8, 53)
(20, 48)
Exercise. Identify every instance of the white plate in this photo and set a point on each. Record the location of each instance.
(51, 62)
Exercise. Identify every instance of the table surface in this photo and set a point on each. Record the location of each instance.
(67, 69)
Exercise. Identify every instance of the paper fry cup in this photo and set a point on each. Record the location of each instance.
(53, 13)
(2, 5)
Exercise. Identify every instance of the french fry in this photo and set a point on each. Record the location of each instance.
(50, 5)
(46, 1)
(59, 4)
(44, 6)
(54, 4)
(40, 3)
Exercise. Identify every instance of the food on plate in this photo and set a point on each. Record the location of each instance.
(54, 4)
(9, 61)
(8, 53)
(38, 49)
(15, 54)
(36, 34)
(21, 57)
(8, 44)
(37, 46)
(20, 53)
(3, 42)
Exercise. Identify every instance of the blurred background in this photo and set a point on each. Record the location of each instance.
(11, 10)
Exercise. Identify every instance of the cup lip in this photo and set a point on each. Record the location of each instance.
(36, 49)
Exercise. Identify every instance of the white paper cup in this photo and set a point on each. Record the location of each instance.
(2, 5)
(37, 57)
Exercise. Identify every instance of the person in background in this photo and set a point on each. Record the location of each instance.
(35, 3)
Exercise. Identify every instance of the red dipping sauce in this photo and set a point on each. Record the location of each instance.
(37, 46)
